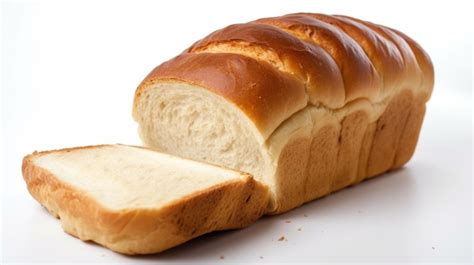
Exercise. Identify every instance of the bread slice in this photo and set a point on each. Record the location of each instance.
(136, 201)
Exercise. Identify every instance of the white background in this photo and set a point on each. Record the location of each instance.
(69, 71)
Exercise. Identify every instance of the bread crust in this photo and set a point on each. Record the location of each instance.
(310, 64)
(242, 79)
(273, 67)
(361, 79)
(233, 204)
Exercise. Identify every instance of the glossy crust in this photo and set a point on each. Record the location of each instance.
(336, 59)
(244, 80)
(233, 204)
(359, 75)
(310, 64)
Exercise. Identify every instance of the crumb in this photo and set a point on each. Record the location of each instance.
(281, 238)
(221, 257)
(261, 257)
(287, 221)
(299, 229)
(305, 215)
(432, 247)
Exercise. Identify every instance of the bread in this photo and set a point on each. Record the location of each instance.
(307, 103)
(136, 201)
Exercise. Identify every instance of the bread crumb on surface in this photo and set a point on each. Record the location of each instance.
(261, 257)
(305, 215)
(281, 238)
(299, 229)
(432, 247)
(221, 257)
(287, 221)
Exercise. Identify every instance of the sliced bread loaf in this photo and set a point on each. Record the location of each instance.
(306, 103)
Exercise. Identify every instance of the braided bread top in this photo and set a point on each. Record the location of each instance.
(273, 67)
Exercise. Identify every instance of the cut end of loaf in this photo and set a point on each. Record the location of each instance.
(189, 121)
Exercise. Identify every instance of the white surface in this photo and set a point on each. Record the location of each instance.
(69, 74)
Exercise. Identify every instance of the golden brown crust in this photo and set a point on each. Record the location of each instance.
(309, 58)
(384, 54)
(424, 62)
(233, 204)
(361, 80)
(412, 73)
(264, 94)
(310, 64)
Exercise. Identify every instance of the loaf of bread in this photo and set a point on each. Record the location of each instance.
(137, 201)
(307, 103)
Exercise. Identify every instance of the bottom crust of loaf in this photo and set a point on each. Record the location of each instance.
(341, 154)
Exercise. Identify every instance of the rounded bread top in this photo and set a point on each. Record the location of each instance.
(273, 67)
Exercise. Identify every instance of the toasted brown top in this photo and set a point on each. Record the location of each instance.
(266, 95)
(272, 67)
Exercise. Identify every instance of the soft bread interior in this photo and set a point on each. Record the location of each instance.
(125, 177)
(188, 121)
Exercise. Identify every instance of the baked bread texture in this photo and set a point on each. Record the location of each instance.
(307, 103)
(137, 201)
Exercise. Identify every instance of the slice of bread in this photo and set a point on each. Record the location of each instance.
(135, 200)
